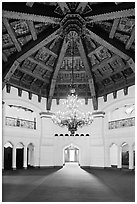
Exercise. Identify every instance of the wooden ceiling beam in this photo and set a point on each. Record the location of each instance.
(4, 57)
(30, 17)
(50, 52)
(55, 74)
(41, 64)
(89, 73)
(131, 63)
(32, 29)
(10, 73)
(44, 38)
(131, 39)
(64, 7)
(94, 51)
(111, 15)
(114, 28)
(113, 45)
(39, 45)
(12, 34)
(33, 75)
(81, 7)
(104, 62)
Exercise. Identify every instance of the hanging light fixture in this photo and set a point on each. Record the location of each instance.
(72, 118)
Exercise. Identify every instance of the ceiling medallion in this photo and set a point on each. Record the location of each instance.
(72, 118)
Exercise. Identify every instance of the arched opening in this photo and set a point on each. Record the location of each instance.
(114, 155)
(8, 148)
(125, 155)
(30, 155)
(19, 156)
(71, 154)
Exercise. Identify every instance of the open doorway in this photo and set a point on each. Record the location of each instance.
(71, 154)
(8, 148)
(19, 156)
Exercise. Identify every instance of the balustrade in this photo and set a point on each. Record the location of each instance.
(127, 122)
(17, 122)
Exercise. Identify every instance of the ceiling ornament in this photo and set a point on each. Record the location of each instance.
(72, 118)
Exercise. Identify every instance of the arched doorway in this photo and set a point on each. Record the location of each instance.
(125, 155)
(71, 154)
(19, 156)
(113, 155)
(30, 155)
(8, 148)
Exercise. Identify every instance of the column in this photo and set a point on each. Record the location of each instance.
(14, 158)
(119, 159)
(107, 156)
(25, 157)
(131, 165)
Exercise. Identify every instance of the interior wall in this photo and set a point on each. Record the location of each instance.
(48, 149)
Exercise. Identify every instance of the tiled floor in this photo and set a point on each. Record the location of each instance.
(69, 184)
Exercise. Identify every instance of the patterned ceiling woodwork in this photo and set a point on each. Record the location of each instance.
(110, 44)
(12, 34)
(37, 48)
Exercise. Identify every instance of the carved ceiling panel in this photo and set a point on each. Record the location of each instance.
(34, 35)
(20, 27)
(28, 65)
(77, 64)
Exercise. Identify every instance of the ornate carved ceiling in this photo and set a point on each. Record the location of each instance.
(36, 42)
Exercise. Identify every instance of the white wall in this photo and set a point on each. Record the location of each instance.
(94, 150)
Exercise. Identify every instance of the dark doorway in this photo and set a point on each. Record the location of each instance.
(125, 159)
(7, 158)
(19, 158)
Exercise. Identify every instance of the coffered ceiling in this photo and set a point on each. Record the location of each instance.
(37, 48)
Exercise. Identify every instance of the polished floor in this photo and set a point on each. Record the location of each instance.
(68, 184)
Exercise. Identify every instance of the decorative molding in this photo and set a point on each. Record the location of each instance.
(30, 17)
(17, 122)
(127, 122)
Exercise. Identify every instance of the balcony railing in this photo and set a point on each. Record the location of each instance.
(128, 122)
(16, 122)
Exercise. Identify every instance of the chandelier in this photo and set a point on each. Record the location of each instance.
(72, 118)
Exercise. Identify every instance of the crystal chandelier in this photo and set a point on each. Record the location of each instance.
(72, 118)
